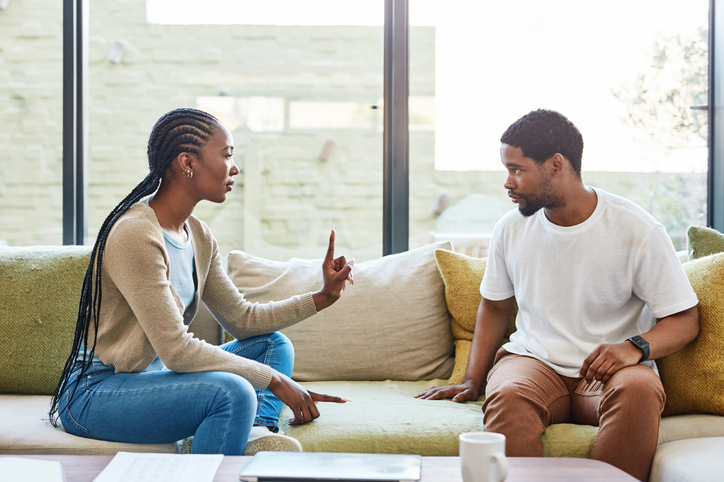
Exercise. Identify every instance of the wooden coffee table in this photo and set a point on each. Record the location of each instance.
(84, 468)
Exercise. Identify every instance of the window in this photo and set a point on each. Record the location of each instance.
(295, 82)
(626, 84)
(31, 100)
(251, 33)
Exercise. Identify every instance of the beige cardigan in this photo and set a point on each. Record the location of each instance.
(142, 315)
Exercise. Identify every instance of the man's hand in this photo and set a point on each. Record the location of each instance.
(606, 360)
(335, 275)
(490, 324)
(459, 393)
(303, 403)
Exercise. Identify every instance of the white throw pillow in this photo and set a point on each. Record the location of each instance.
(393, 324)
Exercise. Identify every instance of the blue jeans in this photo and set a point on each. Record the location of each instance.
(154, 407)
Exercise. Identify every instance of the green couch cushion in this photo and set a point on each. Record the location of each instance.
(40, 289)
(703, 241)
(383, 417)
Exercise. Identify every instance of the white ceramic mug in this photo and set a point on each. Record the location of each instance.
(482, 457)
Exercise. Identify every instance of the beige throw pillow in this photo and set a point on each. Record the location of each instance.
(392, 324)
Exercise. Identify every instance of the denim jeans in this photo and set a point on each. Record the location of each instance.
(163, 406)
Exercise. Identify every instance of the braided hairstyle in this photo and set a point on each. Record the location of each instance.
(178, 131)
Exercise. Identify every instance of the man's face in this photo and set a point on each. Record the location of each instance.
(529, 183)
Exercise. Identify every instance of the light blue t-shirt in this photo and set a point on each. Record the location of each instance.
(181, 255)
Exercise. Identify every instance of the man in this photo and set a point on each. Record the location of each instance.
(589, 271)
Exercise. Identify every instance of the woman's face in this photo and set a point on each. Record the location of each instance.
(214, 171)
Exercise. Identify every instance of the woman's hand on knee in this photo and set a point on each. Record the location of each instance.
(302, 403)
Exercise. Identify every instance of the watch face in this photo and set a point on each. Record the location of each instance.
(642, 344)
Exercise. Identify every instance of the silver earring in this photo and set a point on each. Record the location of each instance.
(189, 173)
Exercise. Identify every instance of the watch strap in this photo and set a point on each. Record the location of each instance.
(642, 344)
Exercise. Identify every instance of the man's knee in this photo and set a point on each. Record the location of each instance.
(510, 395)
(637, 385)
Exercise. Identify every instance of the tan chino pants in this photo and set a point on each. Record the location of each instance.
(524, 396)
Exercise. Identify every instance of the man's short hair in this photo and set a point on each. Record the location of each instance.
(542, 133)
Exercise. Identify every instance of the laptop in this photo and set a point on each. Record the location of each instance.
(320, 466)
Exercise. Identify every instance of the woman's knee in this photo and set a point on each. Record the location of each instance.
(231, 393)
(283, 344)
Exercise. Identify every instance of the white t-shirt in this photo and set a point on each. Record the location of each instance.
(601, 281)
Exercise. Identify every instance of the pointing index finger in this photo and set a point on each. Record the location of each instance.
(330, 249)
(322, 397)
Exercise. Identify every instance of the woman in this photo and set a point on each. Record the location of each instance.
(135, 374)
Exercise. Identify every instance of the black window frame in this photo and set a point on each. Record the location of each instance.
(715, 184)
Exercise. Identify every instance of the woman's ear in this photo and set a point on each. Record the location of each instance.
(183, 164)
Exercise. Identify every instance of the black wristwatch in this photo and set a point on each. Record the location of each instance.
(641, 343)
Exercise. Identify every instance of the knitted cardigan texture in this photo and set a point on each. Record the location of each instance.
(142, 315)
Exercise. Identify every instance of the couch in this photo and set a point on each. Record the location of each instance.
(403, 327)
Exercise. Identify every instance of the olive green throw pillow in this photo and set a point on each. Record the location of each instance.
(40, 289)
(704, 241)
(462, 275)
(693, 377)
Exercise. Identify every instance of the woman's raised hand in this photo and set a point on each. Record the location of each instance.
(302, 402)
(336, 272)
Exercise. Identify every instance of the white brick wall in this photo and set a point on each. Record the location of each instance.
(286, 199)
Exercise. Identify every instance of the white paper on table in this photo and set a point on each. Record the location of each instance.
(142, 467)
(27, 469)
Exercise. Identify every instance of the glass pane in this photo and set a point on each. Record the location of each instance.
(31, 123)
(293, 80)
(627, 84)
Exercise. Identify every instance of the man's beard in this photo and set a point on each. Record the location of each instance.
(545, 198)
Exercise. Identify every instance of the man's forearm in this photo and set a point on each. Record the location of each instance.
(673, 333)
(490, 325)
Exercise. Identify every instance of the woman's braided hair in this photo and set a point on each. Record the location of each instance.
(178, 131)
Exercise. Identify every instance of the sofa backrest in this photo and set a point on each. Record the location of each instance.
(393, 324)
(39, 294)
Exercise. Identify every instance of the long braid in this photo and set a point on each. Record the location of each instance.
(181, 130)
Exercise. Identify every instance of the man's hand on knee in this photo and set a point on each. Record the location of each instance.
(606, 360)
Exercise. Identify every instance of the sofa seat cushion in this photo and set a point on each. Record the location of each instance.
(692, 460)
(383, 417)
(25, 429)
(682, 427)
